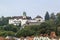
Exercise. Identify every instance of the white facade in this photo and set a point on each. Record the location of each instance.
(23, 21)
(14, 21)
(17, 21)
(39, 19)
(41, 38)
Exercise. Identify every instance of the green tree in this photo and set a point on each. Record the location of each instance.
(52, 25)
(47, 17)
(53, 16)
(6, 33)
(11, 27)
(24, 33)
(1, 28)
(4, 20)
(58, 23)
(45, 28)
(35, 28)
(58, 18)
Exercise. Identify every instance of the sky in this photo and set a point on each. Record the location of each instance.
(31, 7)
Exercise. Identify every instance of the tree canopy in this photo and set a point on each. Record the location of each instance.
(47, 17)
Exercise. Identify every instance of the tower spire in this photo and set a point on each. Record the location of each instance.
(24, 14)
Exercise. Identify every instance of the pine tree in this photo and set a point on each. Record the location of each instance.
(47, 17)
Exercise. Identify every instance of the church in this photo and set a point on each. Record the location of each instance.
(25, 20)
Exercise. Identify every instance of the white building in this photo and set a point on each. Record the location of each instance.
(41, 38)
(25, 20)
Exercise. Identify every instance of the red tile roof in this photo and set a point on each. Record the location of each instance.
(2, 38)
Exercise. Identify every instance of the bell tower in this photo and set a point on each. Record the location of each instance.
(24, 14)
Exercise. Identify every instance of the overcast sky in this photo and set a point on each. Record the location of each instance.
(32, 7)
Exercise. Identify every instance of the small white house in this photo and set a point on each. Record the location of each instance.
(36, 38)
(41, 38)
(46, 38)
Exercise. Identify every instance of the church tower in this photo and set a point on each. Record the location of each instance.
(24, 14)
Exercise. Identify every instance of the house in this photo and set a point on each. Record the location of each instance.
(36, 21)
(31, 38)
(25, 20)
(36, 38)
(9, 38)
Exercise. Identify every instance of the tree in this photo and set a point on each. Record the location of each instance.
(1, 28)
(58, 17)
(45, 28)
(24, 33)
(11, 27)
(58, 23)
(35, 28)
(52, 25)
(4, 20)
(6, 33)
(47, 17)
(53, 16)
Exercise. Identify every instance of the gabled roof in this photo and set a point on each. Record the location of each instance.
(38, 16)
(17, 17)
(20, 17)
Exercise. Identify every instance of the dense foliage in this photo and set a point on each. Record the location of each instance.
(52, 23)
(47, 17)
